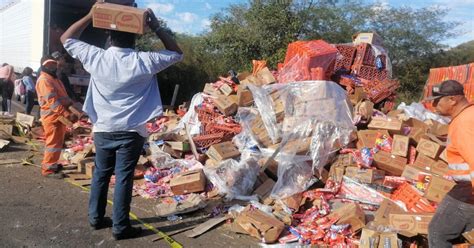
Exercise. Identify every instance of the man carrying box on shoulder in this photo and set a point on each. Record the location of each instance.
(122, 96)
(455, 213)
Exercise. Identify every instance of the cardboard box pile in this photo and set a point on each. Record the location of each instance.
(402, 174)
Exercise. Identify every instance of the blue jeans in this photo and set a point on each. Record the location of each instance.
(30, 101)
(115, 152)
(452, 218)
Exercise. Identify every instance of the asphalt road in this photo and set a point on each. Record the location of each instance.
(41, 212)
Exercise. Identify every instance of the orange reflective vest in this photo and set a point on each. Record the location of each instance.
(460, 148)
(52, 98)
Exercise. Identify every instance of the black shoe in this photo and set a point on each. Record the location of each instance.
(128, 233)
(58, 175)
(106, 222)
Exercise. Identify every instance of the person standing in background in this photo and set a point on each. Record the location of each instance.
(7, 77)
(30, 91)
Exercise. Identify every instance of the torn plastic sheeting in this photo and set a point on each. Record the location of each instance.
(316, 113)
(191, 117)
(244, 140)
(293, 177)
(418, 111)
(234, 179)
(378, 50)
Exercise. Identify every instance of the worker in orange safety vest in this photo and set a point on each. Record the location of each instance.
(455, 213)
(54, 102)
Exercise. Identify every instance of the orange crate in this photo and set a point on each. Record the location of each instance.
(413, 199)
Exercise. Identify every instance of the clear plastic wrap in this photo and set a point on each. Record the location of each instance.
(191, 117)
(418, 111)
(244, 140)
(234, 179)
(353, 190)
(317, 122)
(377, 51)
(293, 177)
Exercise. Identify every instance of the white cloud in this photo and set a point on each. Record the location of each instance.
(208, 6)
(187, 17)
(205, 24)
(161, 8)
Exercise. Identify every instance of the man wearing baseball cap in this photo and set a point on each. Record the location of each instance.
(455, 213)
(54, 102)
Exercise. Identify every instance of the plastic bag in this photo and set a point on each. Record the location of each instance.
(191, 117)
(244, 140)
(234, 179)
(418, 111)
(353, 190)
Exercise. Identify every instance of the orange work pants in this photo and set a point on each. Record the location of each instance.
(54, 133)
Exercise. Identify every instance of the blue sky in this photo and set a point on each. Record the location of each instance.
(192, 16)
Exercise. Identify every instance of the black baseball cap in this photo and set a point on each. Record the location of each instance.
(446, 88)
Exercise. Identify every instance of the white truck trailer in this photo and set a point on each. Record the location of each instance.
(30, 29)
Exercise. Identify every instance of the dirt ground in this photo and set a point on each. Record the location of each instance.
(41, 212)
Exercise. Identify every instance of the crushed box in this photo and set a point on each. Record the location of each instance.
(260, 225)
(188, 182)
(118, 17)
(381, 216)
(349, 213)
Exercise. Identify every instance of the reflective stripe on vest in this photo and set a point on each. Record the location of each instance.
(460, 172)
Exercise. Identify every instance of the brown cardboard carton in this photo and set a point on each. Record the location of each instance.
(469, 236)
(438, 129)
(118, 17)
(428, 148)
(388, 240)
(90, 169)
(82, 165)
(25, 119)
(440, 168)
(415, 123)
(369, 238)
(210, 90)
(366, 138)
(400, 145)
(413, 172)
(188, 182)
(223, 151)
(244, 96)
(371, 38)
(6, 130)
(265, 189)
(359, 94)
(415, 223)
(424, 162)
(382, 214)
(226, 89)
(294, 201)
(365, 175)
(65, 121)
(260, 225)
(226, 105)
(416, 134)
(443, 155)
(349, 213)
(393, 125)
(438, 188)
(393, 165)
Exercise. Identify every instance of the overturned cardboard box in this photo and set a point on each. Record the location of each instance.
(260, 225)
(188, 182)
